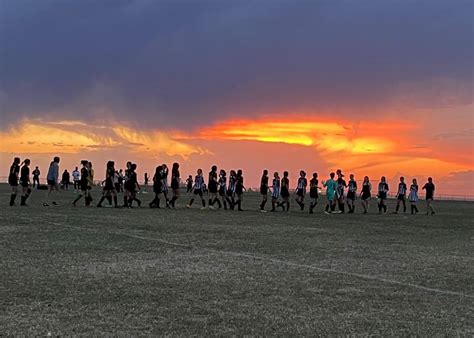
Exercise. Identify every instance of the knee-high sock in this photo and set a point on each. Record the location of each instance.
(77, 199)
(115, 201)
(216, 200)
(101, 200)
(225, 204)
(137, 200)
(12, 199)
(203, 202)
(288, 206)
(273, 206)
(191, 201)
(211, 202)
(173, 200)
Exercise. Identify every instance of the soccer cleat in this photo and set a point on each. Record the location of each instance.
(211, 208)
(203, 208)
(262, 210)
(45, 204)
(327, 212)
(188, 206)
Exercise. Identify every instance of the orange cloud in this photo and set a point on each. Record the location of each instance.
(71, 137)
(366, 138)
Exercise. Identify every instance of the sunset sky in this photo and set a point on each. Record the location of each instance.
(371, 87)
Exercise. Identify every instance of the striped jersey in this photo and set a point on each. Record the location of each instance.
(383, 187)
(222, 181)
(232, 182)
(352, 186)
(302, 183)
(276, 187)
(198, 182)
(402, 188)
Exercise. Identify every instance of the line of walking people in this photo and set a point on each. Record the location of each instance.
(222, 190)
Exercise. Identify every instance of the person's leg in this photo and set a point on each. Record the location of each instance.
(139, 202)
(13, 195)
(25, 195)
(77, 198)
(364, 205)
(398, 206)
(262, 203)
(431, 206)
(104, 193)
(404, 205)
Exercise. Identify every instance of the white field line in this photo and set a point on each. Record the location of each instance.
(272, 260)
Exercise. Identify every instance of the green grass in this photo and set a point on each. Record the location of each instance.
(68, 270)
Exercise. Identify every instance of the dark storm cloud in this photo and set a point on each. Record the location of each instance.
(177, 62)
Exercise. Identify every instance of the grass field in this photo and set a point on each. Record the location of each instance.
(68, 271)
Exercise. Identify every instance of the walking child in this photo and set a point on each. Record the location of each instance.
(36, 174)
(52, 179)
(189, 184)
(75, 179)
(341, 184)
(429, 187)
(313, 192)
(25, 181)
(13, 178)
(264, 190)
(285, 192)
(175, 180)
(401, 195)
(230, 193)
(365, 194)
(157, 187)
(223, 187)
(133, 186)
(239, 189)
(351, 193)
(213, 186)
(382, 195)
(301, 189)
(109, 187)
(413, 196)
(84, 184)
(275, 190)
(197, 190)
(165, 184)
(331, 187)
